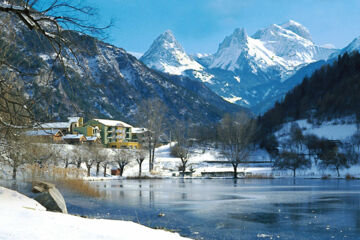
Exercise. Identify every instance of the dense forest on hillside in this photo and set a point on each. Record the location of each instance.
(330, 92)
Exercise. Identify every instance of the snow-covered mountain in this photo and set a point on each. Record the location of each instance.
(167, 55)
(247, 70)
(277, 49)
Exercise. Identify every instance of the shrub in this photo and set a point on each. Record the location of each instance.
(324, 177)
(349, 177)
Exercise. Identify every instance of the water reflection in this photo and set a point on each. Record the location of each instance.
(227, 209)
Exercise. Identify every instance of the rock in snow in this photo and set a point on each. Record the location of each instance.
(50, 197)
(24, 218)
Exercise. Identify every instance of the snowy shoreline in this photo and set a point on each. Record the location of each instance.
(24, 218)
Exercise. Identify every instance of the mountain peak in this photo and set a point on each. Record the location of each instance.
(297, 28)
(238, 38)
(167, 35)
(353, 46)
(240, 33)
(166, 54)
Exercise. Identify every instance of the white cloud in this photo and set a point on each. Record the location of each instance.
(328, 45)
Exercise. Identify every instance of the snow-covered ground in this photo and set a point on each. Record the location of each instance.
(167, 165)
(203, 158)
(336, 129)
(24, 218)
(339, 129)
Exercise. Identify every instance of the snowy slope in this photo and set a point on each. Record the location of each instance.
(333, 130)
(23, 218)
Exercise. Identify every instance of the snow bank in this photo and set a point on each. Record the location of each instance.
(24, 218)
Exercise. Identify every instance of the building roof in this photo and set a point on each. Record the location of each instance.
(113, 123)
(73, 136)
(73, 119)
(139, 130)
(60, 125)
(43, 132)
(92, 139)
(55, 125)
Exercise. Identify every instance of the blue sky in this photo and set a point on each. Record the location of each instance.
(200, 25)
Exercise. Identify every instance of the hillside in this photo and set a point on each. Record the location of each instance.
(104, 81)
(330, 92)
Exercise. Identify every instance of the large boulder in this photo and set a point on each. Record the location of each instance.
(40, 186)
(49, 196)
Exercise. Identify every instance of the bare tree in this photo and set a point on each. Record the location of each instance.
(99, 155)
(122, 158)
(182, 148)
(104, 165)
(66, 159)
(151, 114)
(291, 155)
(78, 156)
(140, 157)
(88, 158)
(49, 21)
(331, 156)
(14, 156)
(184, 154)
(236, 135)
(292, 161)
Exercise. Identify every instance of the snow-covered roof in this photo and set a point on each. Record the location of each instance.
(113, 123)
(73, 119)
(139, 130)
(55, 125)
(91, 138)
(73, 136)
(42, 132)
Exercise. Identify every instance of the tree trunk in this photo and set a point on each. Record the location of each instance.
(338, 172)
(183, 167)
(97, 168)
(153, 157)
(235, 171)
(294, 172)
(121, 171)
(88, 170)
(78, 165)
(140, 163)
(105, 170)
(66, 163)
(14, 173)
(150, 164)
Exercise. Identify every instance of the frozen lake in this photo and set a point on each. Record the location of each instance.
(229, 209)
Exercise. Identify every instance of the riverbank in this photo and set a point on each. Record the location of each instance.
(24, 218)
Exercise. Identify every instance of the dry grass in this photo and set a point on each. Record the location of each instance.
(80, 186)
(259, 176)
(142, 177)
(69, 178)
